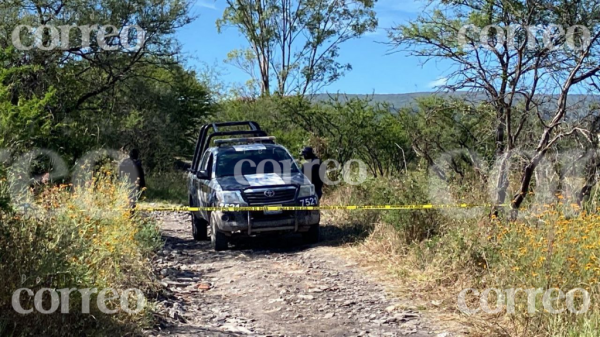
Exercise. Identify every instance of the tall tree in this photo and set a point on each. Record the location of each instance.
(88, 62)
(528, 62)
(296, 42)
(159, 114)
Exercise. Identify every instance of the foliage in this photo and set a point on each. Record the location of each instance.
(167, 187)
(25, 119)
(516, 74)
(296, 42)
(83, 68)
(555, 246)
(75, 238)
(412, 226)
(273, 115)
(160, 114)
(81, 97)
(356, 129)
(444, 125)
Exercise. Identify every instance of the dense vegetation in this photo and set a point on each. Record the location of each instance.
(67, 115)
(511, 137)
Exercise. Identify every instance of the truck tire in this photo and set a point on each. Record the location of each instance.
(199, 228)
(312, 236)
(218, 240)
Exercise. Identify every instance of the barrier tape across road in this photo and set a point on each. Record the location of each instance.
(310, 208)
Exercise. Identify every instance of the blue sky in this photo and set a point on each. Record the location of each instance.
(374, 69)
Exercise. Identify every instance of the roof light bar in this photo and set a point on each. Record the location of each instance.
(220, 142)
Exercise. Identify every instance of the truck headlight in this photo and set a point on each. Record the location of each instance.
(306, 191)
(229, 197)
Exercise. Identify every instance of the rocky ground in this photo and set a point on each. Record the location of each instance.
(271, 287)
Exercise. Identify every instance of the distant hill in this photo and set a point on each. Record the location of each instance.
(576, 101)
(396, 100)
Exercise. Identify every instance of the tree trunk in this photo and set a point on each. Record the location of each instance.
(502, 182)
(590, 179)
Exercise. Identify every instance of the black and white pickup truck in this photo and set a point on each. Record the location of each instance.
(247, 169)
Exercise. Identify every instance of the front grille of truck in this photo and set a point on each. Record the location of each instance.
(261, 216)
(265, 196)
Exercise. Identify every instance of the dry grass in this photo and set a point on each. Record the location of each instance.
(381, 250)
(431, 289)
(556, 247)
(75, 238)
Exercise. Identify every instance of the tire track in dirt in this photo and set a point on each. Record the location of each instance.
(269, 287)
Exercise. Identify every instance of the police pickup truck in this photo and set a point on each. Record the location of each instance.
(245, 167)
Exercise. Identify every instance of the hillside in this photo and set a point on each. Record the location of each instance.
(581, 103)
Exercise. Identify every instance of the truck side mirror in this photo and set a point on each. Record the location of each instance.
(203, 175)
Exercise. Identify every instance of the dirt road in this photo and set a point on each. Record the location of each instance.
(275, 287)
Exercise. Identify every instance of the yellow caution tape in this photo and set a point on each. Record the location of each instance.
(309, 208)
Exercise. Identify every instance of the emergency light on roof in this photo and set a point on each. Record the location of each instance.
(220, 142)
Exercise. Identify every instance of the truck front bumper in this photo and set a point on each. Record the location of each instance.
(256, 222)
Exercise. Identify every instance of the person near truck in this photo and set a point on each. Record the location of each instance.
(311, 169)
(131, 171)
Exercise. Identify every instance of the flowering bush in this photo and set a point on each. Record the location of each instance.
(74, 237)
(553, 246)
(557, 246)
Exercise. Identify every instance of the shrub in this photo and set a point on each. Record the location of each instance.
(411, 189)
(74, 238)
(556, 247)
(435, 256)
(167, 187)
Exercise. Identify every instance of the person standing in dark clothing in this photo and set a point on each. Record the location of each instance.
(311, 170)
(131, 170)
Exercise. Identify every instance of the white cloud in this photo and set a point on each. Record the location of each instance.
(210, 4)
(438, 83)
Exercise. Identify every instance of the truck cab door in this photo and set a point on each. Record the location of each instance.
(203, 186)
(195, 184)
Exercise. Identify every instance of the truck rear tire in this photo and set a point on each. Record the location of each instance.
(218, 240)
(199, 228)
(312, 236)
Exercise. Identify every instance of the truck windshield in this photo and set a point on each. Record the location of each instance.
(272, 160)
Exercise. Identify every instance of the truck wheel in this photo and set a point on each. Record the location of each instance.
(312, 236)
(218, 240)
(199, 228)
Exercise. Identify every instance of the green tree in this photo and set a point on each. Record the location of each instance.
(92, 86)
(28, 122)
(296, 43)
(345, 129)
(160, 114)
(441, 125)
